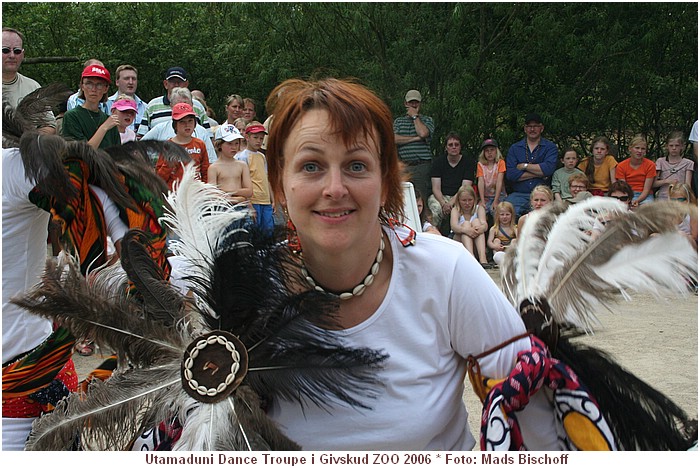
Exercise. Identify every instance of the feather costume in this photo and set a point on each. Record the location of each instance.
(559, 275)
(248, 336)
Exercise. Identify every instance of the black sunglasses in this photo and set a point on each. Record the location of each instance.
(16, 50)
(622, 198)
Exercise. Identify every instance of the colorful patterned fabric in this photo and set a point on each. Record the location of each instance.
(33, 384)
(581, 425)
(82, 221)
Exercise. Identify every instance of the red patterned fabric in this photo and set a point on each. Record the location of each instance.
(581, 425)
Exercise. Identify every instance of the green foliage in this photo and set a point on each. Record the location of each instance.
(588, 68)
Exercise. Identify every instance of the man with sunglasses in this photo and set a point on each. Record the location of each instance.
(15, 85)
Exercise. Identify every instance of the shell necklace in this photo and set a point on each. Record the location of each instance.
(360, 288)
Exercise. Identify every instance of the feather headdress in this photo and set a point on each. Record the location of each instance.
(264, 340)
(569, 263)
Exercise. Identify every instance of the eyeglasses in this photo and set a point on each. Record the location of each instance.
(533, 127)
(452, 145)
(14, 50)
(682, 199)
(93, 85)
(622, 198)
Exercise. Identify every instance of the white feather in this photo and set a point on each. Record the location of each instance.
(527, 256)
(198, 214)
(660, 266)
(570, 235)
(201, 425)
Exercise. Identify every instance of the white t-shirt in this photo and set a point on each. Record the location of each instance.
(440, 307)
(24, 250)
(693, 138)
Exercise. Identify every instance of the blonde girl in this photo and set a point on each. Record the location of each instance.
(490, 171)
(599, 168)
(673, 169)
(682, 193)
(503, 232)
(539, 197)
(468, 223)
(638, 171)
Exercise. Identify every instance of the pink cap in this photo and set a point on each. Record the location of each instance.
(125, 105)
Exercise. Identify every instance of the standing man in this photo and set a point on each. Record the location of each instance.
(15, 85)
(413, 133)
(447, 175)
(530, 162)
(127, 81)
(160, 110)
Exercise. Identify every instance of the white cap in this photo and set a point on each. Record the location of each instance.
(228, 132)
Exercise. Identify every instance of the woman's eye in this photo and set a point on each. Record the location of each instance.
(310, 167)
(357, 167)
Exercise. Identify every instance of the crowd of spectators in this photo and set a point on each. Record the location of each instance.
(104, 117)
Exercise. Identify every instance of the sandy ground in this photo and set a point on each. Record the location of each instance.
(656, 340)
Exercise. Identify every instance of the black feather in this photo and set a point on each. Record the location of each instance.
(292, 351)
(42, 157)
(640, 417)
(31, 112)
(162, 303)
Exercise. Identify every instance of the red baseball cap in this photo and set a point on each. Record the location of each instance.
(182, 110)
(96, 71)
(255, 128)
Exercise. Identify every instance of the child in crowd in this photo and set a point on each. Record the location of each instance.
(539, 197)
(468, 223)
(599, 168)
(578, 186)
(240, 124)
(228, 174)
(622, 191)
(425, 216)
(560, 178)
(638, 171)
(683, 193)
(125, 109)
(184, 122)
(490, 171)
(673, 169)
(257, 164)
(503, 232)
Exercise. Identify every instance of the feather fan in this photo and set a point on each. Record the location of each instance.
(560, 269)
(33, 111)
(282, 335)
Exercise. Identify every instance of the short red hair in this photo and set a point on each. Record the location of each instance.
(354, 111)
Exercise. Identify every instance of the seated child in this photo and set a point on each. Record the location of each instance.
(468, 222)
(560, 178)
(230, 175)
(503, 232)
(425, 216)
(540, 196)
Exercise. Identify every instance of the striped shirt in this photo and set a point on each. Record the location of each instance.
(418, 150)
(159, 110)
